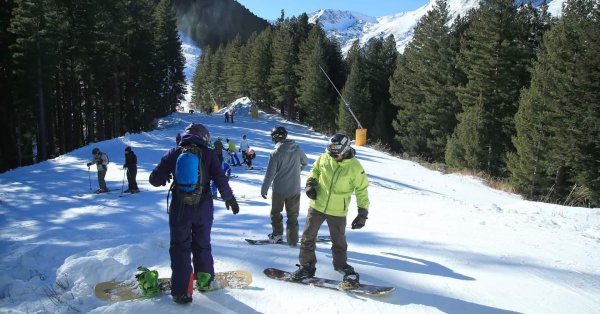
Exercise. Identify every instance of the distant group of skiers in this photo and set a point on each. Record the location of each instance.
(101, 161)
(229, 116)
(335, 175)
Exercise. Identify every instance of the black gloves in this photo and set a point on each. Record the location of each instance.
(235, 208)
(89, 164)
(360, 219)
(264, 196)
(311, 188)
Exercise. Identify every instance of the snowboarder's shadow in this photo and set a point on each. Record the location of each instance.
(405, 296)
(404, 263)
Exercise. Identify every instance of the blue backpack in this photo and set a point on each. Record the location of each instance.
(190, 175)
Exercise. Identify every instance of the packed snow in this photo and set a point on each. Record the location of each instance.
(447, 242)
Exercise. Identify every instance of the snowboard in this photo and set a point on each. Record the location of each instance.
(364, 289)
(115, 290)
(320, 239)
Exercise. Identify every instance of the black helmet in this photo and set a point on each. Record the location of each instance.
(95, 151)
(278, 134)
(199, 130)
(338, 144)
(128, 149)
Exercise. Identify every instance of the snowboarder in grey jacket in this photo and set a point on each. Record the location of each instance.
(286, 162)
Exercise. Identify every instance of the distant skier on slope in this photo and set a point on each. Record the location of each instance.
(100, 159)
(131, 166)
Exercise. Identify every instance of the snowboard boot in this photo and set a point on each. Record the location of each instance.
(275, 238)
(203, 281)
(182, 299)
(303, 272)
(351, 277)
(147, 281)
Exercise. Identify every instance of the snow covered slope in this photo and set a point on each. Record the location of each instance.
(448, 243)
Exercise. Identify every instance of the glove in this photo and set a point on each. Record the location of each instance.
(360, 219)
(124, 166)
(89, 164)
(311, 189)
(232, 203)
(169, 177)
(264, 196)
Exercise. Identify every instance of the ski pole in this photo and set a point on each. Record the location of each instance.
(90, 178)
(123, 184)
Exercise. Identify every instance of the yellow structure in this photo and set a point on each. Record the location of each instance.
(361, 137)
(215, 108)
(254, 112)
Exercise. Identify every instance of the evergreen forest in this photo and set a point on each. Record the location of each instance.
(506, 90)
(77, 72)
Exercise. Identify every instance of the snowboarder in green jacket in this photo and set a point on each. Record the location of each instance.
(335, 175)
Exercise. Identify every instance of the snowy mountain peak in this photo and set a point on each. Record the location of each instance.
(338, 20)
(348, 26)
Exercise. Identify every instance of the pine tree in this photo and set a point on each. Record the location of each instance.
(234, 68)
(495, 60)
(170, 60)
(558, 122)
(200, 81)
(314, 90)
(283, 79)
(260, 61)
(424, 87)
(218, 84)
(33, 25)
(355, 93)
(384, 61)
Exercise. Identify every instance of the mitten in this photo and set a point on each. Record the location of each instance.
(311, 189)
(232, 203)
(360, 219)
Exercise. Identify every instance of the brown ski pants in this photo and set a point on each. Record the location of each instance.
(337, 231)
(292, 209)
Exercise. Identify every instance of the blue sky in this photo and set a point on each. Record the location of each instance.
(271, 9)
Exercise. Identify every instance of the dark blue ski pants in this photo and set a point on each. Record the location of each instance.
(190, 235)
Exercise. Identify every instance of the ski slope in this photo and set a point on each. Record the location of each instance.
(448, 243)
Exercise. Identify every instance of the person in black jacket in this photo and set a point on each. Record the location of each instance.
(131, 166)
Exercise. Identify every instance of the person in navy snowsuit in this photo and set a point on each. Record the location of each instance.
(190, 225)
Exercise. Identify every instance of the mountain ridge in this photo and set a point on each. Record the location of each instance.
(347, 26)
